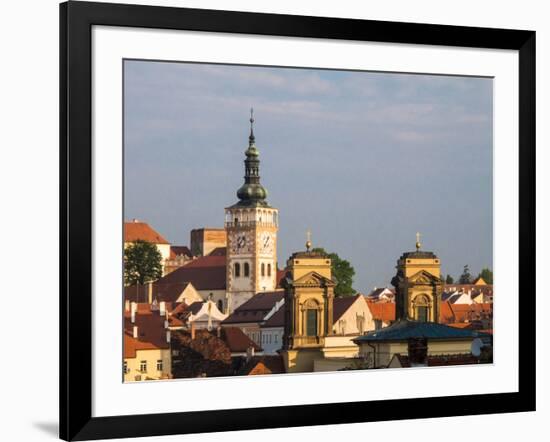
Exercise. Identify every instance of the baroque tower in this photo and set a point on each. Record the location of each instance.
(251, 225)
(418, 285)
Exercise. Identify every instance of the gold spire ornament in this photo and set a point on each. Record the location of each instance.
(418, 243)
(308, 242)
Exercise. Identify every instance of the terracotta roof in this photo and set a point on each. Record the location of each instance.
(340, 306)
(382, 311)
(151, 334)
(280, 275)
(180, 250)
(263, 365)
(205, 273)
(136, 230)
(218, 251)
(464, 312)
(162, 291)
(277, 319)
(255, 309)
(237, 341)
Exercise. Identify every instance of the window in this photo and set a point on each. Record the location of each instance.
(246, 269)
(237, 270)
(220, 305)
(269, 270)
(311, 322)
(125, 367)
(422, 313)
(275, 338)
(263, 269)
(143, 366)
(159, 365)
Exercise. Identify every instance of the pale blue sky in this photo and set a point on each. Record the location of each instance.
(365, 160)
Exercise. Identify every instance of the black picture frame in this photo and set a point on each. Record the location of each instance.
(76, 21)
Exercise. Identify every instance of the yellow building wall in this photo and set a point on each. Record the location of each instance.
(300, 361)
(151, 356)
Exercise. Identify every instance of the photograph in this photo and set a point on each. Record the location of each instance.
(282, 220)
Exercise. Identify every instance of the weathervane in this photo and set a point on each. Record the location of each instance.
(418, 243)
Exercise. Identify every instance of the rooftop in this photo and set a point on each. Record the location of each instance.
(136, 230)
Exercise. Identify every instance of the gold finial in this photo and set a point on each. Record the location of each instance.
(308, 242)
(418, 243)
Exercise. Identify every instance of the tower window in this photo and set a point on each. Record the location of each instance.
(246, 269)
(263, 269)
(311, 322)
(237, 270)
(269, 270)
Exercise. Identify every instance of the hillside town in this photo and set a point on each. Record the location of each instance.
(223, 305)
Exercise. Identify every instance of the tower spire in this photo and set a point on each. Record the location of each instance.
(251, 138)
(252, 193)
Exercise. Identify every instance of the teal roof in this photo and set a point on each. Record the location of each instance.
(403, 330)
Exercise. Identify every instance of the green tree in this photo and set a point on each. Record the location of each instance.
(487, 275)
(342, 272)
(466, 277)
(142, 263)
(449, 279)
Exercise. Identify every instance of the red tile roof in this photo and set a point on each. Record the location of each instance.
(180, 250)
(263, 365)
(382, 311)
(255, 309)
(237, 341)
(151, 334)
(135, 230)
(451, 313)
(161, 291)
(218, 251)
(205, 273)
(277, 319)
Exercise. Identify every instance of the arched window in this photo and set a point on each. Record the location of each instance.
(237, 270)
(275, 218)
(311, 318)
(246, 269)
(421, 306)
(263, 269)
(269, 270)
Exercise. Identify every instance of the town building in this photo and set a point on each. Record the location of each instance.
(418, 285)
(136, 230)
(147, 354)
(204, 240)
(179, 256)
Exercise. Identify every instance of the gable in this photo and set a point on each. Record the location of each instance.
(424, 277)
(313, 279)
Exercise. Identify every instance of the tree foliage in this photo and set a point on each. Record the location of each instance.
(487, 275)
(342, 272)
(142, 263)
(449, 279)
(466, 277)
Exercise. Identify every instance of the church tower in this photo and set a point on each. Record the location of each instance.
(251, 225)
(418, 285)
(309, 300)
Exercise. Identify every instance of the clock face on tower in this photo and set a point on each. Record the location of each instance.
(266, 243)
(241, 243)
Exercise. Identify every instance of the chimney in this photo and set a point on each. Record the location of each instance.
(193, 330)
(162, 307)
(418, 351)
(150, 293)
(127, 305)
(135, 332)
(168, 336)
(133, 309)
